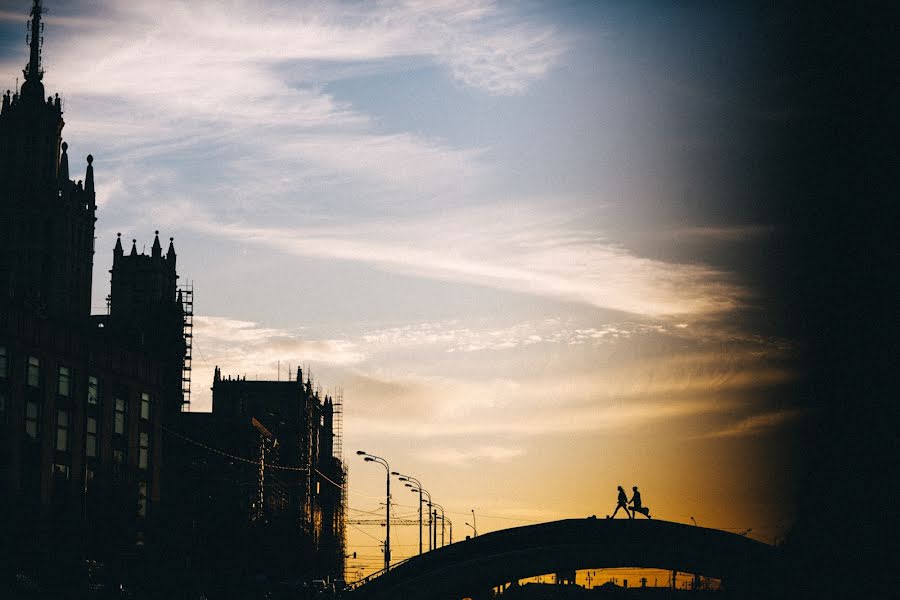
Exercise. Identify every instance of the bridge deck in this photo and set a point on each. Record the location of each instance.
(477, 564)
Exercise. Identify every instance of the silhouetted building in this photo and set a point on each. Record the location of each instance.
(260, 482)
(83, 400)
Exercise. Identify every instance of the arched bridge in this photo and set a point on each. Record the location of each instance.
(472, 567)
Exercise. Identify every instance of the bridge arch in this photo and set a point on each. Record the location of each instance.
(470, 567)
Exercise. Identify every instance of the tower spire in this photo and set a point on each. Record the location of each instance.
(33, 72)
(63, 170)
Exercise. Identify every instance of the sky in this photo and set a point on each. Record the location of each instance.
(526, 241)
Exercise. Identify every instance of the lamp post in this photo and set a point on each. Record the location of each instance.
(474, 532)
(474, 525)
(402, 477)
(442, 526)
(387, 504)
(421, 491)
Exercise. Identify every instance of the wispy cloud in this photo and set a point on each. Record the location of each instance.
(456, 337)
(523, 251)
(245, 348)
(241, 98)
(437, 406)
(233, 99)
(472, 454)
(756, 424)
(741, 233)
(459, 409)
(388, 395)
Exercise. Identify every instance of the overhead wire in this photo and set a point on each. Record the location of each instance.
(232, 456)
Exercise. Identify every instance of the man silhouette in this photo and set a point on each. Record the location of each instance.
(622, 503)
(636, 501)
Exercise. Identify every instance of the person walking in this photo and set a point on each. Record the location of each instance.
(622, 503)
(637, 505)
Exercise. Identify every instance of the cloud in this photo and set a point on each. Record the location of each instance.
(741, 233)
(471, 454)
(425, 379)
(164, 95)
(525, 251)
(237, 344)
(758, 424)
(239, 66)
(245, 348)
(242, 98)
(623, 399)
(453, 336)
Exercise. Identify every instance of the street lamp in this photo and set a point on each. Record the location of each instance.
(450, 523)
(421, 491)
(402, 477)
(387, 504)
(474, 532)
(442, 526)
(473, 523)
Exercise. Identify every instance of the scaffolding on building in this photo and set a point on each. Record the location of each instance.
(338, 452)
(338, 425)
(186, 293)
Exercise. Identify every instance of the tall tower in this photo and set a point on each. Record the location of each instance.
(146, 309)
(46, 220)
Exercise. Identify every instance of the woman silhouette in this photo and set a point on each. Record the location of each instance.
(622, 503)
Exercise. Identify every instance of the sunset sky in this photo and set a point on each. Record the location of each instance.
(527, 240)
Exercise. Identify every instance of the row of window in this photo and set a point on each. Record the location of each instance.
(120, 415)
(64, 388)
(63, 420)
(64, 382)
(91, 443)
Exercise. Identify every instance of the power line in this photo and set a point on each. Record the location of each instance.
(209, 448)
(364, 532)
(381, 522)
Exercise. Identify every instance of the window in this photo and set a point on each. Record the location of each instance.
(61, 471)
(4, 363)
(34, 372)
(119, 456)
(90, 440)
(62, 430)
(93, 394)
(120, 409)
(145, 406)
(144, 450)
(142, 499)
(32, 420)
(64, 382)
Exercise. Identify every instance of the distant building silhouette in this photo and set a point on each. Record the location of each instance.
(233, 486)
(83, 399)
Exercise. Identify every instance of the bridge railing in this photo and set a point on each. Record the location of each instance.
(355, 584)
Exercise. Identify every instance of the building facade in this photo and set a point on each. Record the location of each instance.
(261, 480)
(83, 399)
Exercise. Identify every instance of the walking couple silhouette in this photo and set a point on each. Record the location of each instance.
(637, 506)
